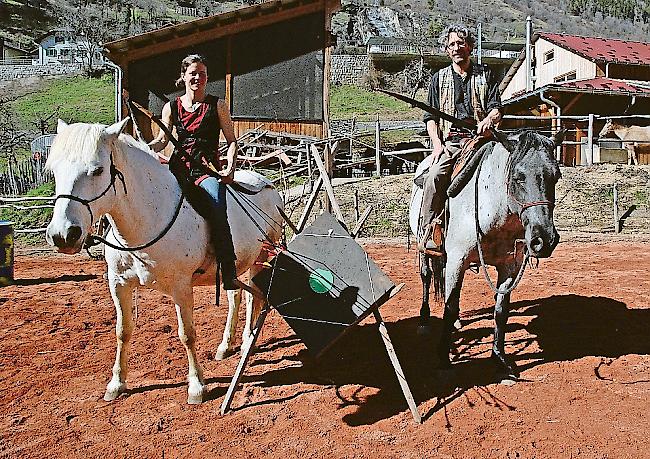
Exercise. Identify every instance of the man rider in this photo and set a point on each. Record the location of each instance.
(467, 91)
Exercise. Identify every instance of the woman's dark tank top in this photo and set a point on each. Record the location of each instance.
(198, 132)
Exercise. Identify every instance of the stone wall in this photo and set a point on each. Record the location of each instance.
(349, 68)
(15, 72)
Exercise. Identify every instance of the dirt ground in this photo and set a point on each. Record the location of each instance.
(580, 332)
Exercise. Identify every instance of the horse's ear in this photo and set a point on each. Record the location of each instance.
(60, 125)
(503, 139)
(117, 128)
(558, 138)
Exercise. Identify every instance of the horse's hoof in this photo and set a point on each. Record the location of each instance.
(112, 393)
(222, 353)
(424, 330)
(508, 380)
(458, 324)
(195, 399)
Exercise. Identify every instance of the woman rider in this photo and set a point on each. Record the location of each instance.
(198, 118)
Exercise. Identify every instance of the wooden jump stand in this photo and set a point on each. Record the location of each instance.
(247, 347)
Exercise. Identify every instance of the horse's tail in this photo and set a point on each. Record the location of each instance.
(438, 278)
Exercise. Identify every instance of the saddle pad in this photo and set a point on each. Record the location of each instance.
(251, 181)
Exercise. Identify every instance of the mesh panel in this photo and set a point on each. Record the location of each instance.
(151, 80)
(278, 71)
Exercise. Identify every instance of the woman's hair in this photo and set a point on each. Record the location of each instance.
(460, 30)
(185, 63)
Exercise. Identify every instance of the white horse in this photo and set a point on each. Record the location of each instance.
(631, 136)
(100, 171)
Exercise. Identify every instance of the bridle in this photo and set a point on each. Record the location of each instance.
(115, 175)
(523, 207)
(527, 205)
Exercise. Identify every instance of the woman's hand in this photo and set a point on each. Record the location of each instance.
(228, 174)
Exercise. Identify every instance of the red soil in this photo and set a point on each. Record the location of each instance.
(580, 332)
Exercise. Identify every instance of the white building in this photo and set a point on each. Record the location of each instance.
(59, 46)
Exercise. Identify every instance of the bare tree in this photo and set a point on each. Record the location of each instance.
(89, 25)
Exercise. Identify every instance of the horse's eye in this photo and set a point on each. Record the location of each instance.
(97, 172)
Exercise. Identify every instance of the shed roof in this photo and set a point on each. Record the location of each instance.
(213, 27)
(609, 85)
(605, 50)
(602, 86)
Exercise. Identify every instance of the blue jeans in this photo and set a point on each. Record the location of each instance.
(221, 235)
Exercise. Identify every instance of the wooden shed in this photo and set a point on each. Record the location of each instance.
(270, 62)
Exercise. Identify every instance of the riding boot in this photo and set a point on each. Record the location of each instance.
(430, 242)
(224, 251)
(228, 274)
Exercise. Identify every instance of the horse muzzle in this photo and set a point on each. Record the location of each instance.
(67, 240)
(541, 244)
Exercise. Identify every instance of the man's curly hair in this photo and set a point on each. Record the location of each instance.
(461, 30)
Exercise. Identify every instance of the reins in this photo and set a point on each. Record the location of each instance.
(117, 174)
(524, 207)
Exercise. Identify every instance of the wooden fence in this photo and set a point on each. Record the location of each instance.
(24, 175)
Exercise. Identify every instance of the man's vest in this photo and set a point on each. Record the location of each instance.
(479, 90)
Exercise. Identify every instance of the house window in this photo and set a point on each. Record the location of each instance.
(565, 77)
(548, 56)
(59, 39)
(50, 52)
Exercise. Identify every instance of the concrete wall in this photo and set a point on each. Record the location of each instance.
(17, 72)
(349, 68)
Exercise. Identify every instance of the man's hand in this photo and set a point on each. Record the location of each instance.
(437, 149)
(490, 121)
(484, 126)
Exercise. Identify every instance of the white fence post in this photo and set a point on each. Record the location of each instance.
(590, 141)
(377, 152)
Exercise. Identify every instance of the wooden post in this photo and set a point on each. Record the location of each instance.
(392, 355)
(590, 140)
(617, 226)
(328, 185)
(308, 158)
(377, 152)
(246, 350)
(578, 150)
(356, 206)
(328, 162)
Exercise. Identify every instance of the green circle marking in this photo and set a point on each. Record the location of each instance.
(320, 281)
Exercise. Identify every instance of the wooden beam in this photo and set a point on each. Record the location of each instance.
(246, 351)
(361, 222)
(217, 31)
(310, 204)
(392, 355)
(288, 220)
(327, 183)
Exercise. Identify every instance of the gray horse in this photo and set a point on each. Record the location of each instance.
(507, 206)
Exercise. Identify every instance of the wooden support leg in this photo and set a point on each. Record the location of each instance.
(383, 331)
(245, 354)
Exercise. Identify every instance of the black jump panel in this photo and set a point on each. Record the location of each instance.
(324, 283)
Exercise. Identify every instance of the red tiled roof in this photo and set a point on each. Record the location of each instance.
(603, 49)
(608, 85)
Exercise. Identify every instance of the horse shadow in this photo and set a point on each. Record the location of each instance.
(53, 280)
(561, 328)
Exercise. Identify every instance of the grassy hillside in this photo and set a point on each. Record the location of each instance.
(348, 102)
(76, 99)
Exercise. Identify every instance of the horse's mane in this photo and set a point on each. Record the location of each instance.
(529, 140)
(79, 142)
(76, 143)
